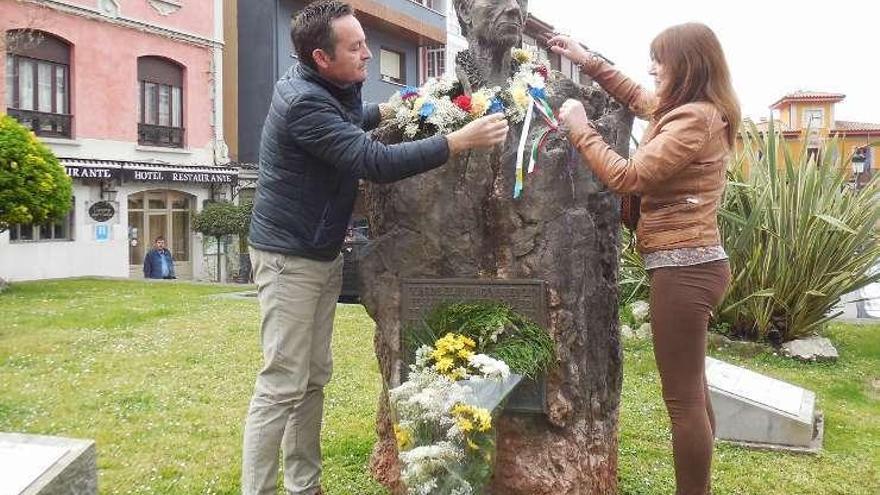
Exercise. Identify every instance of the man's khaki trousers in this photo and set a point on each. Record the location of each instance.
(297, 304)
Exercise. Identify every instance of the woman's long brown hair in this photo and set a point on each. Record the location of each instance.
(696, 70)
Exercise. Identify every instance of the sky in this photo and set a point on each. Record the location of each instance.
(773, 47)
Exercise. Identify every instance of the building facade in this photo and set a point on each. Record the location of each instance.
(128, 95)
(807, 120)
(400, 33)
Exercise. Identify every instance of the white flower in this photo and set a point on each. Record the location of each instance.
(447, 116)
(411, 130)
(535, 81)
(422, 466)
(423, 355)
(490, 367)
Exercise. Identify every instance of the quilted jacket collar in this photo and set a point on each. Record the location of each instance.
(342, 93)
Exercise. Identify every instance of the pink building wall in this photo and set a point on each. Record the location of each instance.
(194, 16)
(104, 85)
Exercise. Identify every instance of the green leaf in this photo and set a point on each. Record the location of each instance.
(835, 223)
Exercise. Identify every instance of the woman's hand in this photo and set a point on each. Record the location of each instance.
(568, 48)
(573, 116)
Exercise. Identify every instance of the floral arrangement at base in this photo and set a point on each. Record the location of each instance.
(468, 358)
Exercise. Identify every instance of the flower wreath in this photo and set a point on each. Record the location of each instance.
(442, 106)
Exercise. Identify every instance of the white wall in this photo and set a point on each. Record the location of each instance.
(81, 256)
(455, 42)
(84, 256)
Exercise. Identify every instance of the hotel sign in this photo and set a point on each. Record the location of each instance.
(147, 175)
(178, 176)
(91, 172)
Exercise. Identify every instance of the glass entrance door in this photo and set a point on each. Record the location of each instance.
(160, 213)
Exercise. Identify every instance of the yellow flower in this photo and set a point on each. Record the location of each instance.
(472, 445)
(438, 354)
(483, 419)
(456, 374)
(522, 56)
(465, 354)
(404, 439)
(444, 365)
(520, 95)
(472, 417)
(479, 104)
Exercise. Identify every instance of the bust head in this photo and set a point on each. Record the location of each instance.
(492, 22)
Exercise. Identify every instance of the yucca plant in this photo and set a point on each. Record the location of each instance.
(633, 279)
(798, 236)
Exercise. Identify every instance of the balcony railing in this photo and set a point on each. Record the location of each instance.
(159, 135)
(42, 123)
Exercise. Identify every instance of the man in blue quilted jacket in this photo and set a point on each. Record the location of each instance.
(314, 149)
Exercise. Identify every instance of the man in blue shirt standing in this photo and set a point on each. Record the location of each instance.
(158, 262)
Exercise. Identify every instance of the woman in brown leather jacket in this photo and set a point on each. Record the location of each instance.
(679, 172)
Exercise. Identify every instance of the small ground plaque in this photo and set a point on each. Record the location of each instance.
(41, 465)
(759, 411)
(527, 297)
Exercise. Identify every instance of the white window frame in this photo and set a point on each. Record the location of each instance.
(433, 62)
(401, 62)
(811, 114)
(65, 222)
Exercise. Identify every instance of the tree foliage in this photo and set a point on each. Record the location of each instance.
(34, 188)
(222, 219)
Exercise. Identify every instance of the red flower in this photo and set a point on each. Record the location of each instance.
(463, 102)
(542, 69)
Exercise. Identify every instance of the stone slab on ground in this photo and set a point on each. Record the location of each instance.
(44, 465)
(759, 411)
(811, 349)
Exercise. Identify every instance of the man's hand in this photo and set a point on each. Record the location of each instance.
(484, 132)
(386, 111)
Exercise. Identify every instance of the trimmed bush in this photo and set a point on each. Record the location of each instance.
(34, 188)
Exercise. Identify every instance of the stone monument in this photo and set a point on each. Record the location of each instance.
(760, 412)
(461, 221)
(43, 465)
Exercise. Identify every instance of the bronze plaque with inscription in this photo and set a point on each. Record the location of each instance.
(527, 297)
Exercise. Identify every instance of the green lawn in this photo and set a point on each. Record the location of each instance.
(160, 375)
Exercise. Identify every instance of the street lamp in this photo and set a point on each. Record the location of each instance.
(858, 164)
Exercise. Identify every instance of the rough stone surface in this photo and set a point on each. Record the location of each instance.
(739, 347)
(811, 349)
(640, 310)
(462, 221)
